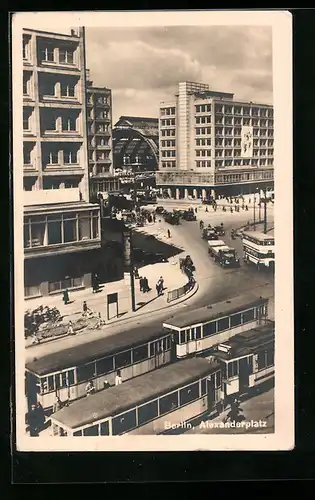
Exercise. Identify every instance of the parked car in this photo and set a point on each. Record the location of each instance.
(219, 230)
(189, 216)
(172, 219)
(160, 210)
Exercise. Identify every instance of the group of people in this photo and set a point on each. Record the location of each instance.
(144, 284)
(160, 286)
(36, 419)
(90, 387)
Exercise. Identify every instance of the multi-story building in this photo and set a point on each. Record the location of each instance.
(99, 111)
(61, 226)
(211, 144)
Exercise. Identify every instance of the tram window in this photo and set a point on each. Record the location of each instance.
(168, 343)
(124, 422)
(91, 431)
(85, 372)
(261, 360)
(158, 346)
(189, 393)
(148, 412)
(248, 316)
(232, 369)
(122, 359)
(164, 344)
(203, 386)
(64, 379)
(104, 365)
(223, 370)
(223, 324)
(236, 319)
(168, 403)
(217, 380)
(77, 433)
(209, 328)
(198, 332)
(152, 349)
(140, 353)
(183, 337)
(104, 428)
(71, 377)
(250, 364)
(50, 383)
(270, 358)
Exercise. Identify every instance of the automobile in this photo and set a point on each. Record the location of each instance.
(160, 210)
(172, 219)
(144, 257)
(179, 213)
(219, 230)
(209, 234)
(189, 216)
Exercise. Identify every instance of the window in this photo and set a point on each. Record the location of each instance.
(236, 319)
(85, 372)
(140, 353)
(198, 332)
(26, 79)
(168, 403)
(261, 360)
(248, 316)
(203, 386)
(47, 54)
(95, 232)
(105, 365)
(77, 433)
(66, 56)
(70, 157)
(183, 337)
(68, 124)
(54, 229)
(26, 155)
(70, 230)
(71, 377)
(189, 393)
(270, 358)
(26, 119)
(223, 324)
(104, 429)
(84, 228)
(218, 380)
(38, 226)
(124, 422)
(91, 431)
(53, 158)
(209, 329)
(67, 90)
(232, 369)
(147, 412)
(122, 359)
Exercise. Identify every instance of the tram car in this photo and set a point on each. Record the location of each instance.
(64, 374)
(246, 360)
(199, 330)
(155, 403)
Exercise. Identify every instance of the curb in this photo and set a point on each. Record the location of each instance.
(190, 294)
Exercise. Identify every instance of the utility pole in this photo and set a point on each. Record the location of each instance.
(265, 212)
(259, 205)
(254, 211)
(128, 261)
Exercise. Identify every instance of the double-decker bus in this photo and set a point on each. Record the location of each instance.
(259, 249)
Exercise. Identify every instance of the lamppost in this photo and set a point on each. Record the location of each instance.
(258, 188)
(128, 263)
(254, 211)
(265, 211)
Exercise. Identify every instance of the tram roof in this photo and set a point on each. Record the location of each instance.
(213, 311)
(84, 353)
(247, 342)
(115, 400)
(259, 236)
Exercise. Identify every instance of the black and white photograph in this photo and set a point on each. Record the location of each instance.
(153, 230)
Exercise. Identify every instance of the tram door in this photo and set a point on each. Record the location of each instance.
(244, 372)
(211, 393)
(31, 389)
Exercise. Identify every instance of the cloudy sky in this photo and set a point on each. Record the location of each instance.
(143, 66)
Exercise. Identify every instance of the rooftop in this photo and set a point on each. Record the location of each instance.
(214, 311)
(258, 235)
(134, 392)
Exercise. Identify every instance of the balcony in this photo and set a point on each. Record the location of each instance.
(61, 136)
(50, 196)
(29, 170)
(63, 169)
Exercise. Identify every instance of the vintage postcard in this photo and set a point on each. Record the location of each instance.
(153, 223)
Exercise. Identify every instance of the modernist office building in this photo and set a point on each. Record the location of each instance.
(211, 144)
(61, 226)
(99, 110)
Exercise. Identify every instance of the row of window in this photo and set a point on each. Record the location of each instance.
(203, 164)
(244, 121)
(152, 410)
(99, 155)
(259, 255)
(168, 164)
(203, 119)
(52, 89)
(168, 153)
(168, 133)
(60, 228)
(56, 286)
(98, 100)
(105, 365)
(68, 155)
(203, 142)
(101, 115)
(98, 128)
(168, 144)
(245, 162)
(243, 110)
(203, 108)
(203, 131)
(243, 177)
(230, 131)
(237, 142)
(237, 152)
(167, 123)
(48, 53)
(217, 326)
(167, 111)
(260, 242)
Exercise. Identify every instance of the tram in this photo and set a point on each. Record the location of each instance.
(196, 331)
(64, 374)
(259, 249)
(154, 403)
(246, 360)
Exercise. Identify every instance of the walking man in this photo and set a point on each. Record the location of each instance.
(168, 233)
(65, 297)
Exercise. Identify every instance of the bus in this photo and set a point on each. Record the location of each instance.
(246, 360)
(259, 249)
(154, 403)
(201, 329)
(65, 373)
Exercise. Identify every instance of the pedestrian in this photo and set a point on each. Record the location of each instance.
(141, 283)
(136, 272)
(95, 283)
(86, 310)
(146, 287)
(89, 388)
(57, 405)
(70, 330)
(196, 210)
(106, 384)
(65, 297)
(168, 233)
(99, 321)
(32, 420)
(154, 218)
(41, 416)
(118, 379)
(207, 209)
(161, 285)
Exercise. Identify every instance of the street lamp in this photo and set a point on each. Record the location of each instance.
(254, 211)
(128, 263)
(265, 211)
(258, 188)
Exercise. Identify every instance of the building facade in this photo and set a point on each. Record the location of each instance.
(211, 144)
(99, 111)
(61, 226)
(136, 153)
